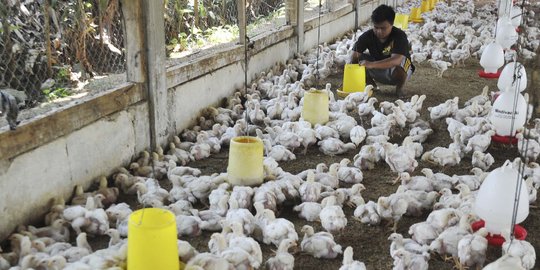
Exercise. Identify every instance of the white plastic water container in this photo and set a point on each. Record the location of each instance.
(495, 199)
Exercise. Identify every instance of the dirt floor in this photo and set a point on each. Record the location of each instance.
(370, 242)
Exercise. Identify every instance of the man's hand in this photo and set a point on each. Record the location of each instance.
(365, 63)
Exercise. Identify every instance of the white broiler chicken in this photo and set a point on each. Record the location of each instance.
(446, 109)
(479, 142)
(283, 260)
(310, 191)
(392, 208)
(349, 263)
(358, 134)
(352, 175)
(482, 160)
(324, 132)
(472, 249)
(447, 241)
(367, 213)
(528, 148)
(440, 65)
(506, 262)
(480, 99)
(333, 146)
(442, 156)
(398, 242)
(400, 159)
(332, 217)
(238, 239)
(520, 249)
(408, 260)
(427, 231)
(277, 229)
(319, 245)
(365, 109)
(309, 211)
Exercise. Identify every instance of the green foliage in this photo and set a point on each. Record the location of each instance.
(56, 92)
(62, 78)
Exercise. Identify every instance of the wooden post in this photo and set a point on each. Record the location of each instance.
(357, 4)
(290, 15)
(145, 58)
(134, 41)
(241, 7)
(299, 29)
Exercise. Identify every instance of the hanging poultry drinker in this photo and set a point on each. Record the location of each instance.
(416, 15)
(245, 166)
(315, 109)
(495, 203)
(152, 240)
(401, 21)
(431, 4)
(354, 79)
(424, 6)
(491, 60)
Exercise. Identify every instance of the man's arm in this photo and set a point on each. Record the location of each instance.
(392, 61)
(355, 58)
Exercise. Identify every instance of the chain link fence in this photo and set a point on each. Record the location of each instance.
(263, 16)
(193, 25)
(49, 47)
(311, 7)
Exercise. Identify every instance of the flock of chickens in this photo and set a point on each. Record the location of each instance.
(242, 218)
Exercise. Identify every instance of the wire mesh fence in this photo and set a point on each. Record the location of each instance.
(49, 47)
(311, 7)
(191, 25)
(263, 16)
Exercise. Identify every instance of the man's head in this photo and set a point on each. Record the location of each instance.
(383, 19)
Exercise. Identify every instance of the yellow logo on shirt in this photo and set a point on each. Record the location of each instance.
(388, 49)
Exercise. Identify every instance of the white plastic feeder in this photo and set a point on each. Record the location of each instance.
(506, 79)
(516, 16)
(495, 199)
(506, 33)
(501, 113)
(492, 58)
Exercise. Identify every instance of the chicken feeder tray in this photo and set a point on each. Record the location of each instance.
(496, 239)
(245, 161)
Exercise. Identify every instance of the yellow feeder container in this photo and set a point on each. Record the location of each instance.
(401, 21)
(315, 109)
(245, 161)
(424, 7)
(152, 240)
(431, 4)
(416, 15)
(354, 79)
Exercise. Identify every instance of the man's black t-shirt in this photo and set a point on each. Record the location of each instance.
(395, 43)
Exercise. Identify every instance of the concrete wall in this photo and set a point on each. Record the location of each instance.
(30, 180)
(96, 146)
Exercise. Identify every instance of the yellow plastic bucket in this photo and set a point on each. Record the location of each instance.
(152, 240)
(315, 109)
(401, 21)
(354, 78)
(245, 161)
(424, 7)
(416, 15)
